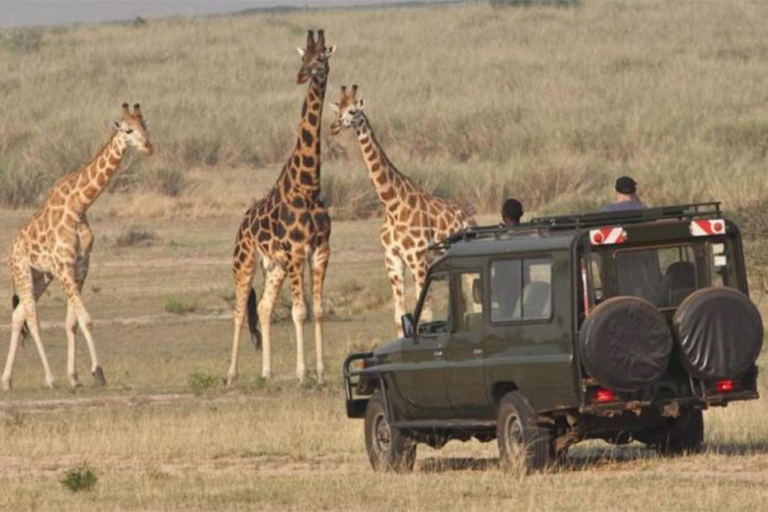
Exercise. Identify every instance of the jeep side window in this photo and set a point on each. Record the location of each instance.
(434, 313)
(521, 290)
(469, 302)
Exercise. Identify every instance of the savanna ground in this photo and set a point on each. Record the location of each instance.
(477, 103)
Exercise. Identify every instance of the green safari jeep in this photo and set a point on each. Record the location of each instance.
(619, 326)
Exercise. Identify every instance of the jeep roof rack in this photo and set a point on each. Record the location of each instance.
(590, 220)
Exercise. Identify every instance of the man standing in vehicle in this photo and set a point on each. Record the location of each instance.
(626, 196)
(511, 213)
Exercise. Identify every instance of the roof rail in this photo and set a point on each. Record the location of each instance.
(589, 220)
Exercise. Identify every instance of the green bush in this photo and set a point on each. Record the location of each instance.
(178, 306)
(199, 381)
(80, 478)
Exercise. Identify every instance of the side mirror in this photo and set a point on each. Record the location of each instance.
(407, 322)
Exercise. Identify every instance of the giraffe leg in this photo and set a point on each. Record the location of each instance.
(26, 289)
(71, 328)
(395, 271)
(419, 268)
(84, 321)
(17, 324)
(299, 314)
(319, 267)
(244, 264)
(275, 275)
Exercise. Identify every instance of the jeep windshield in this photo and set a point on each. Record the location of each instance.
(663, 274)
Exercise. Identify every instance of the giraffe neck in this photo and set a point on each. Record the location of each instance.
(95, 176)
(303, 169)
(386, 179)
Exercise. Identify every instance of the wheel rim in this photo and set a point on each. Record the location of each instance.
(514, 436)
(382, 434)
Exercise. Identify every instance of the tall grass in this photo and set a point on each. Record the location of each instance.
(477, 102)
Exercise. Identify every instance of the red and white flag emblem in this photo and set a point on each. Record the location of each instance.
(608, 236)
(707, 227)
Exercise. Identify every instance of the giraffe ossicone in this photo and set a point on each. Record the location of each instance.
(287, 229)
(56, 244)
(413, 218)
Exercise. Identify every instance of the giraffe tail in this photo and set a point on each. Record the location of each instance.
(253, 320)
(25, 329)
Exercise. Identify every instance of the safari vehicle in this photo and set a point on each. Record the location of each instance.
(620, 326)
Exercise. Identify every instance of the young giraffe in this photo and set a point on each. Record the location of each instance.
(287, 227)
(413, 218)
(56, 244)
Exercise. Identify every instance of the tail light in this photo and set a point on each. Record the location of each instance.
(603, 395)
(725, 386)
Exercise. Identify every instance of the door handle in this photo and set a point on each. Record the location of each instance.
(438, 353)
(478, 351)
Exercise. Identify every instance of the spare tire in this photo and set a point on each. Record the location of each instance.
(719, 331)
(625, 343)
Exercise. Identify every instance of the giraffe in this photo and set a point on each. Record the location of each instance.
(287, 227)
(413, 218)
(56, 244)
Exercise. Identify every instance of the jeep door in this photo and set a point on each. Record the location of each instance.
(420, 379)
(465, 354)
(530, 315)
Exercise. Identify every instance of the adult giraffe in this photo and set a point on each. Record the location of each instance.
(56, 244)
(287, 227)
(413, 218)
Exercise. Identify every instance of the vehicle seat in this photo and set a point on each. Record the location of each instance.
(537, 300)
(473, 320)
(679, 282)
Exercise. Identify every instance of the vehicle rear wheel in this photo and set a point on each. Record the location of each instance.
(522, 442)
(389, 449)
(684, 434)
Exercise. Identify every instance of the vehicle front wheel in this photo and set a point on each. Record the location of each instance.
(522, 442)
(388, 447)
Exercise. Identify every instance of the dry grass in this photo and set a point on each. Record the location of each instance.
(477, 104)
(167, 435)
(548, 104)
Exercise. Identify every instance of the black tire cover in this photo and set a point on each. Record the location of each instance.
(625, 343)
(719, 331)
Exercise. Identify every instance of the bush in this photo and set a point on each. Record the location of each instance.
(80, 478)
(23, 41)
(20, 187)
(167, 181)
(137, 236)
(350, 197)
(177, 306)
(198, 381)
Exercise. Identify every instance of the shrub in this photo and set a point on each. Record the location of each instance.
(137, 236)
(177, 306)
(198, 381)
(167, 181)
(20, 187)
(80, 478)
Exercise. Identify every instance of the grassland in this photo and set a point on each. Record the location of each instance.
(167, 435)
(546, 104)
(477, 103)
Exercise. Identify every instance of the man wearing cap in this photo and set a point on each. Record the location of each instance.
(626, 196)
(511, 213)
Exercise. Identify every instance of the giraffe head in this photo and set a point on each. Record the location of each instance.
(314, 58)
(133, 130)
(349, 110)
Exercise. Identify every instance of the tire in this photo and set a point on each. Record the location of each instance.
(625, 343)
(719, 332)
(684, 434)
(522, 443)
(389, 448)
